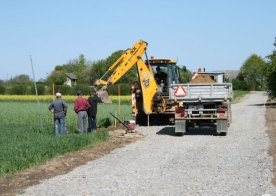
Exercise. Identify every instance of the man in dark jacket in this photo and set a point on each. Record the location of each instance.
(59, 108)
(160, 76)
(92, 112)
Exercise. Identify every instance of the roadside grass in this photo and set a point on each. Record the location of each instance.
(238, 94)
(22, 147)
(23, 143)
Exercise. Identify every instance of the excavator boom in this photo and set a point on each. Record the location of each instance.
(122, 65)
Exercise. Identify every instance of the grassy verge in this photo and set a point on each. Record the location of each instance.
(238, 94)
(23, 147)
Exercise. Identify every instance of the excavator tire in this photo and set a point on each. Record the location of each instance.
(141, 118)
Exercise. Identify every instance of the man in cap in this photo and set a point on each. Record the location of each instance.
(59, 108)
(81, 106)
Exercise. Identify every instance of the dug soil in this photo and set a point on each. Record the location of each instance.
(202, 78)
(271, 130)
(13, 184)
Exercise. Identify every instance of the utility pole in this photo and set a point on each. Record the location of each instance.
(37, 100)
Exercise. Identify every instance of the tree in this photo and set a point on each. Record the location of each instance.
(57, 77)
(18, 89)
(130, 76)
(271, 71)
(2, 89)
(100, 67)
(79, 66)
(185, 74)
(253, 72)
(22, 78)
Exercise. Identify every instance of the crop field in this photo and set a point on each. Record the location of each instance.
(23, 143)
(48, 98)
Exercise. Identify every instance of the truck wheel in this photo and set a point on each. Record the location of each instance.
(179, 134)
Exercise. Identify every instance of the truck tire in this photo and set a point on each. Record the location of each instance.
(141, 119)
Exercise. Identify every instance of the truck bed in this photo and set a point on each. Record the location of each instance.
(203, 92)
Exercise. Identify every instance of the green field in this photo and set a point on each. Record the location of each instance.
(23, 143)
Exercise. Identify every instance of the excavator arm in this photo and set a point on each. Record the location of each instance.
(129, 58)
(123, 64)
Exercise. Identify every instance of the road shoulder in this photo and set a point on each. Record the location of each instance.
(271, 130)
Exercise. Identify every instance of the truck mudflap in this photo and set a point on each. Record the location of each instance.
(222, 127)
(180, 127)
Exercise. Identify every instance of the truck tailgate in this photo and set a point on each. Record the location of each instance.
(201, 92)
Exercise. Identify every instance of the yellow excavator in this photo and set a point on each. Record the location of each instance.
(150, 96)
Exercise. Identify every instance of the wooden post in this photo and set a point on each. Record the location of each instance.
(53, 91)
(119, 94)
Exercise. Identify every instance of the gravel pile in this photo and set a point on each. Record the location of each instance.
(195, 164)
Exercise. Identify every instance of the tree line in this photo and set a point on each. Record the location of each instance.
(87, 73)
(256, 73)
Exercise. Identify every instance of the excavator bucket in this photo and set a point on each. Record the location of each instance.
(103, 95)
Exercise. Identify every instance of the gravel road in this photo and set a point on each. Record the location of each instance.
(195, 164)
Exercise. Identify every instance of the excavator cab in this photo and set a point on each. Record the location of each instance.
(165, 73)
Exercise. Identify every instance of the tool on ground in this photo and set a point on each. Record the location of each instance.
(124, 124)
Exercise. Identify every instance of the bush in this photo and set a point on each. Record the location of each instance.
(104, 122)
(64, 90)
(240, 84)
(18, 89)
(40, 89)
(125, 89)
(272, 83)
(83, 87)
(2, 89)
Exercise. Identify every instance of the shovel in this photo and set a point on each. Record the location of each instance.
(125, 125)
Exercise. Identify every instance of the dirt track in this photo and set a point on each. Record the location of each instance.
(163, 164)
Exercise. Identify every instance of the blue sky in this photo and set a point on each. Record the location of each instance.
(215, 34)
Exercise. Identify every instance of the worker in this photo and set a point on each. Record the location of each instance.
(59, 108)
(160, 76)
(92, 111)
(81, 106)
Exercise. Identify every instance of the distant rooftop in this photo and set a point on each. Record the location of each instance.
(71, 76)
(231, 74)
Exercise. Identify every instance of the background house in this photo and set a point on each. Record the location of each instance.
(71, 79)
